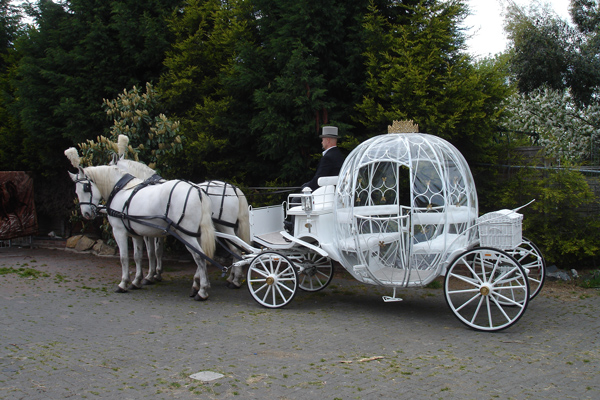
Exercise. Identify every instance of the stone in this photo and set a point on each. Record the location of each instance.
(84, 244)
(206, 376)
(559, 275)
(102, 249)
(72, 241)
(574, 273)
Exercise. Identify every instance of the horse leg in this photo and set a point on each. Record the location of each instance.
(158, 251)
(122, 243)
(138, 249)
(149, 279)
(235, 277)
(234, 280)
(201, 283)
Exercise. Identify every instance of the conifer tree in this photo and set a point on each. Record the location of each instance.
(417, 69)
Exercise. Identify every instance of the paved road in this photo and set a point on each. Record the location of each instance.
(65, 334)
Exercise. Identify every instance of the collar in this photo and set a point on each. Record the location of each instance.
(328, 149)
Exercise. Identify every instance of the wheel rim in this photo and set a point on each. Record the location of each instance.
(317, 272)
(531, 259)
(272, 280)
(486, 289)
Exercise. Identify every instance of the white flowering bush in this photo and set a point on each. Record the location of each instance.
(152, 136)
(566, 130)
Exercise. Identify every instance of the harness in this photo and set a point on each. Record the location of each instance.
(172, 227)
(87, 188)
(218, 219)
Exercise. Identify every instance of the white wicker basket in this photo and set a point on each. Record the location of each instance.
(501, 229)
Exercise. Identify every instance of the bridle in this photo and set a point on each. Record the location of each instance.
(87, 188)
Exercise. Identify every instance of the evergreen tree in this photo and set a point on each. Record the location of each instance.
(417, 69)
(200, 59)
(75, 54)
(10, 131)
(300, 69)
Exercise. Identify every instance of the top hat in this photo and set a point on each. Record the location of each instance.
(329, 132)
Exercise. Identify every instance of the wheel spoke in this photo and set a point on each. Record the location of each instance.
(476, 312)
(267, 292)
(466, 279)
(511, 301)
(469, 301)
(502, 309)
(489, 311)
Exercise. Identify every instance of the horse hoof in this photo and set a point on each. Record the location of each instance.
(133, 287)
(194, 292)
(147, 282)
(120, 290)
(232, 285)
(200, 298)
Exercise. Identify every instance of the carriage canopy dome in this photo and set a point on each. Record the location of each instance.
(400, 196)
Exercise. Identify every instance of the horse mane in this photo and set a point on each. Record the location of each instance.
(106, 177)
(138, 169)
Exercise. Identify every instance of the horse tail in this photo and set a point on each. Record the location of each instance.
(207, 229)
(243, 228)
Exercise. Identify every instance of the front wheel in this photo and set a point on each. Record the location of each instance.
(272, 280)
(487, 289)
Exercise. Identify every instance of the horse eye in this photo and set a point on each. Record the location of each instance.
(87, 187)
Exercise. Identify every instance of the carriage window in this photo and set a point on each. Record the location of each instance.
(377, 184)
(428, 187)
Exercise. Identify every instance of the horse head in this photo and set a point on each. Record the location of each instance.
(86, 190)
(88, 194)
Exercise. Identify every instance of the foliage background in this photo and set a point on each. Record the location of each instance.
(241, 88)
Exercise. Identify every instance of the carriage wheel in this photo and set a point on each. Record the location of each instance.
(317, 272)
(486, 289)
(530, 257)
(272, 280)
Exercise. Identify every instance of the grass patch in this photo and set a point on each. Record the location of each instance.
(22, 272)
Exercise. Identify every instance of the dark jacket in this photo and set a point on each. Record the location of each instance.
(329, 165)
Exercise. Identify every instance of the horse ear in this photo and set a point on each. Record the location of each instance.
(73, 176)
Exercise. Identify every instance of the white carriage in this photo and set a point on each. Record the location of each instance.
(402, 212)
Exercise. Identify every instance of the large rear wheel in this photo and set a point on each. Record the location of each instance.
(486, 289)
(272, 279)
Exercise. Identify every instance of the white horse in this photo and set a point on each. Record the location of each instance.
(229, 211)
(134, 209)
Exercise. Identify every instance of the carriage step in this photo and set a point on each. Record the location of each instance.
(392, 298)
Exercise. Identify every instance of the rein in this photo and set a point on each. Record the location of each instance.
(172, 226)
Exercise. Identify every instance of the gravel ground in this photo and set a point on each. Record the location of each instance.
(65, 334)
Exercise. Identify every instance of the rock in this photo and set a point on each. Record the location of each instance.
(72, 241)
(558, 275)
(574, 273)
(84, 244)
(102, 249)
(551, 269)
